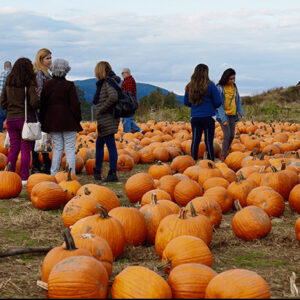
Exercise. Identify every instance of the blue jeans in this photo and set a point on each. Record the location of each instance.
(2, 118)
(129, 124)
(110, 142)
(206, 124)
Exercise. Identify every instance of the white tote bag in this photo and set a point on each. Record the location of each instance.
(31, 131)
(43, 145)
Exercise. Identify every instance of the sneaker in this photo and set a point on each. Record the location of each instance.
(111, 177)
(141, 131)
(24, 182)
(97, 175)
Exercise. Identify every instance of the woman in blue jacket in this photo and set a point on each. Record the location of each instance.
(231, 103)
(203, 97)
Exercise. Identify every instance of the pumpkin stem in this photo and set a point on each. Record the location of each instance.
(69, 174)
(153, 199)
(262, 169)
(210, 165)
(270, 152)
(166, 265)
(182, 213)
(283, 165)
(241, 176)
(274, 170)
(205, 155)
(193, 211)
(7, 168)
(102, 211)
(42, 285)
(86, 191)
(160, 163)
(70, 244)
(261, 157)
(237, 204)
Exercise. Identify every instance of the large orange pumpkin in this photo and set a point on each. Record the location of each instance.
(251, 223)
(294, 198)
(10, 184)
(297, 229)
(189, 280)
(137, 185)
(78, 277)
(237, 284)
(133, 222)
(37, 178)
(140, 283)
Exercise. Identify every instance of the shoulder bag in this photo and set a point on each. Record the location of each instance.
(31, 131)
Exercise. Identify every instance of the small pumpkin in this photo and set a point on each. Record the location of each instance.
(10, 184)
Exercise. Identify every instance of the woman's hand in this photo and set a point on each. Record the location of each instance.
(225, 123)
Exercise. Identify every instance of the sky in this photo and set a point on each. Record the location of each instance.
(161, 41)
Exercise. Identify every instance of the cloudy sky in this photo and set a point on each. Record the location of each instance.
(161, 41)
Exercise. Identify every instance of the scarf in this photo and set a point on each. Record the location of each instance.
(99, 84)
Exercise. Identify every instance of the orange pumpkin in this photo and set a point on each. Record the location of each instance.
(190, 280)
(180, 163)
(47, 195)
(158, 170)
(78, 276)
(105, 226)
(137, 185)
(70, 186)
(10, 184)
(186, 249)
(133, 222)
(140, 283)
(251, 223)
(297, 229)
(244, 284)
(222, 196)
(159, 193)
(294, 198)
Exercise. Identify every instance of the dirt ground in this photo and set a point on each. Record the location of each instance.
(274, 257)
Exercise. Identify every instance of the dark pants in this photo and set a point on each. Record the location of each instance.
(200, 124)
(2, 118)
(36, 161)
(228, 134)
(17, 144)
(110, 142)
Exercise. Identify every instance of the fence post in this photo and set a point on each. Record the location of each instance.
(92, 112)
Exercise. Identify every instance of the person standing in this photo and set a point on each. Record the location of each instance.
(60, 115)
(105, 98)
(231, 103)
(203, 97)
(41, 66)
(3, 76)
(129, 85)
(13, 100)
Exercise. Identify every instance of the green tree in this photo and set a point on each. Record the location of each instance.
(85, 106)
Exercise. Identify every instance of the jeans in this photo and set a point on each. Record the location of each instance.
(17, 144)
(128, 124)
(65, 140)
(228, 134)
(110, 142)
(2, 118)
(200, 124)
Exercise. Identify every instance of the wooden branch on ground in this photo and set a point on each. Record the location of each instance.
(19, 251)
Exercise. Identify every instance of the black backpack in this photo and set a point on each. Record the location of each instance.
(126, 105)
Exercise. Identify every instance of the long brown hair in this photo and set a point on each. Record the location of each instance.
(197, 87)
(22, 73)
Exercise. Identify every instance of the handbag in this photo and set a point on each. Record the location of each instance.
(7, 141)
(43, 145)
(31, 131)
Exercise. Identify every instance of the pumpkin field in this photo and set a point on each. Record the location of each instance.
(171, 227)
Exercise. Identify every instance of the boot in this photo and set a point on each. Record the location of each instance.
(112, 176)
(97, 175)
(35, 167)
(47, 164)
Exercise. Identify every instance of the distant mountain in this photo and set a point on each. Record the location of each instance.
(143, 89)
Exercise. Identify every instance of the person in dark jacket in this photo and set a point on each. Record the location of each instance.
(60, 114)
(105, 98)
(231, 103)
(13, 100)
(203, 97)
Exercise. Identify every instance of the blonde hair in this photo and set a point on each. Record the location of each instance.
(37, 65)
(102, 69)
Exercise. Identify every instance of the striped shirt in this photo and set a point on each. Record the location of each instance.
(3, 77)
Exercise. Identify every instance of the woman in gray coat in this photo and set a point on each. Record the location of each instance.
(105, 98)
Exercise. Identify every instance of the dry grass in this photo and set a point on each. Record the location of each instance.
(274, 257)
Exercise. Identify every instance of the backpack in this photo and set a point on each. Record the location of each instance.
(126, 105)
